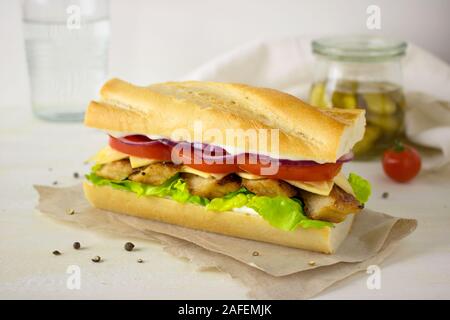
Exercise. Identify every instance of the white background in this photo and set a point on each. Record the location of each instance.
(157, 40)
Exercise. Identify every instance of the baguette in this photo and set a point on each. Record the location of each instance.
(305, 132)
(236, 224)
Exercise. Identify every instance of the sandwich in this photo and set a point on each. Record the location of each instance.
(227, 158)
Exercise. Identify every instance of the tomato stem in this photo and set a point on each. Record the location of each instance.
(398, 146)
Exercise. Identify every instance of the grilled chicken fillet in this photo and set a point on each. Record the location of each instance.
(116, 170)
(334, 207)
(269, 187)
(156, 173)
(210, 187)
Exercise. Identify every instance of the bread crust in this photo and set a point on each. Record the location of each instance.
(241, 225)
(306, 132)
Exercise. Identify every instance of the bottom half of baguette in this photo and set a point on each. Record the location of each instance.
(236, 224)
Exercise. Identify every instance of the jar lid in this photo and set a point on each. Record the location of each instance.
(360, 48)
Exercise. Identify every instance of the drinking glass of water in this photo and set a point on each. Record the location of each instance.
(66, 44)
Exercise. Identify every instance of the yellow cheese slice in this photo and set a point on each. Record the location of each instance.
(249, 176)
(137, 162)
(343, 183)
(106, 155)
(202, 174)
(318, 187)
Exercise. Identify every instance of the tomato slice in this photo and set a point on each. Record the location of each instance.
(219, 164)
(141, 146)
(316, 172)
(215, 168)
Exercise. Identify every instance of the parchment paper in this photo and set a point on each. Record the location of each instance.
(277, 272)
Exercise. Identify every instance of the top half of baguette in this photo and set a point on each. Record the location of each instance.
(305, 132)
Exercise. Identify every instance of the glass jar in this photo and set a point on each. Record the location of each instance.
(362, 72)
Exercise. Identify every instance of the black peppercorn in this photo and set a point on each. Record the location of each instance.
(129, 246)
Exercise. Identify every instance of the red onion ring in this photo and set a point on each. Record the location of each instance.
(204, 147)
(223, 154)
(133, 140)
(346, 157)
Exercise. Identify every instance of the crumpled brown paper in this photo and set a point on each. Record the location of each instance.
(276, 273)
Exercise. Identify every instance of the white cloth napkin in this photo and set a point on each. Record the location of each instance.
(287, 64)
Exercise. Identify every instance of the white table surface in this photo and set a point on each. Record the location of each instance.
(38, 152)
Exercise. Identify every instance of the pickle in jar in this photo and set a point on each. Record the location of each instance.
(318, 96)
(389, 124)
(371, 135)
(379, 103)
(344, 100)
(384, 104)
(346, 96)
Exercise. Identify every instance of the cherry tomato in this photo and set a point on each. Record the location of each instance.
(141, 146)
(401, 162)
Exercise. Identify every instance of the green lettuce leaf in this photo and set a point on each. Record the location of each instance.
(174, 187)
(284, 213)
(235, 199)
(281, 212)
(96, 167)
(360, 186)
(318, 224)
(228, 203)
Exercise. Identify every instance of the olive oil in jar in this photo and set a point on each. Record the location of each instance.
(385, 110)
